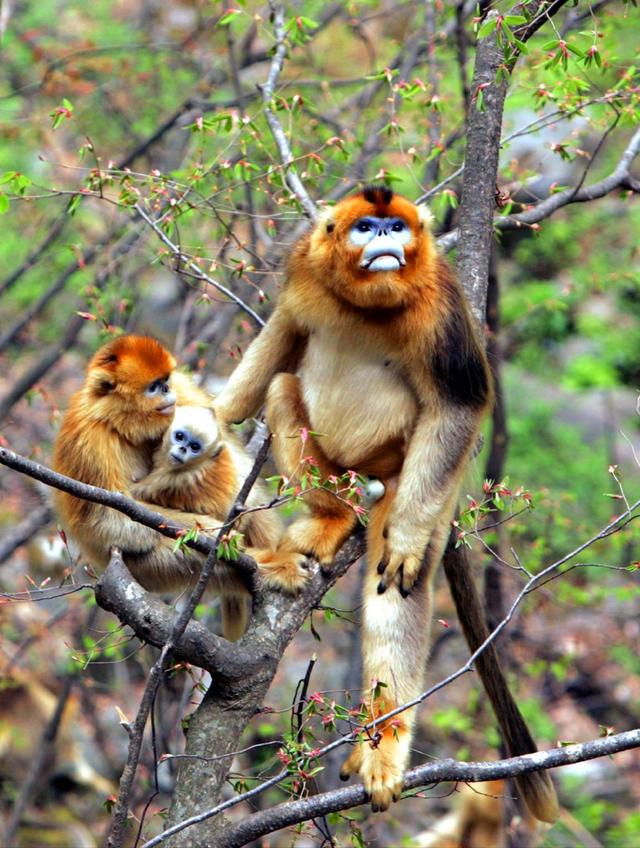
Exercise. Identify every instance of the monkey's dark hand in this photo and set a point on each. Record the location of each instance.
(400, 565)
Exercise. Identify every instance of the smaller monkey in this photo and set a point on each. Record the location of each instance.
(200, 469)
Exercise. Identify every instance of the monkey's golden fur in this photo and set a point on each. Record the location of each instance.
(107, 439)
(387, 368)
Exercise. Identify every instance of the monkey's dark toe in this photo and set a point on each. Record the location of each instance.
(381, 588)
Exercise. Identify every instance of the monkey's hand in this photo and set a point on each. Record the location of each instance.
(400, 563)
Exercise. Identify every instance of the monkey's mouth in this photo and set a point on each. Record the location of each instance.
(176, 459)
(383, 256)
(384, 262)
(167, 409)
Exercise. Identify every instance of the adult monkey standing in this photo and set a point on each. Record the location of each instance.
(373, 348)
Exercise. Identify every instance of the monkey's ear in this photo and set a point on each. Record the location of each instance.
(424, 216)
(100, 383)
(104, 387)
(326, 220)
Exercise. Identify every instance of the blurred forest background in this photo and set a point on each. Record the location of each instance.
(136, 161)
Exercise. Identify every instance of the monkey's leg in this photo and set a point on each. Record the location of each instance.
(263, 529)
(331, 520)
(395, 645)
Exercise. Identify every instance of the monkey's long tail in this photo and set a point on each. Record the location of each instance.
(234, 616)
(536, 788)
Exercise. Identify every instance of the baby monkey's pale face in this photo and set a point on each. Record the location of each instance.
(194, 435)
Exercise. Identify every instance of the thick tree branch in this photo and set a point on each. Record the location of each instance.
(153, 621)
(129, 507)
(479, 177)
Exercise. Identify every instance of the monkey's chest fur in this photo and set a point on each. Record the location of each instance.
(357, 398)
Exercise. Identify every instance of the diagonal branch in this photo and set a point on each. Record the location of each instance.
(192, 266)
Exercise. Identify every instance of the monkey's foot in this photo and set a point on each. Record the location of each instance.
(282, 569)
(381, 769)
(319, 537)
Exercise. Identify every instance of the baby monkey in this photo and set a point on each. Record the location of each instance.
(199, 468)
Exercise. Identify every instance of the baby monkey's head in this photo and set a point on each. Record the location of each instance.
(193, 438)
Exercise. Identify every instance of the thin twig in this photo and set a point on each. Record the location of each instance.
(197, 271)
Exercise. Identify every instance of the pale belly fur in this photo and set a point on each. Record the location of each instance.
(355, 401)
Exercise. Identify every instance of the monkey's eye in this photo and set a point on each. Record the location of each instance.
(363, 227)
(178, 436)
(157, 386)
(196, 447)
(398, 226)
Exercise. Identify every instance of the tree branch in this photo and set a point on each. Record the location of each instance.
(197, 271)
(291, 175)
(134, 510)
(115, 500)
(293, 812)
(620, 178)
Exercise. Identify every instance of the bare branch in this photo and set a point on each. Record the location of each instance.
(197, 271)
(291, 175)
(620, 178)
(95, 494)
(292, 812)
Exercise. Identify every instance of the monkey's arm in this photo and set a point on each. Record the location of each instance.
(454, 387)
(272, 351)
(150, 487)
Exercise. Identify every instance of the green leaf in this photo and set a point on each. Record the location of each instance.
(487, 28)
(229, 15)
(4, 203)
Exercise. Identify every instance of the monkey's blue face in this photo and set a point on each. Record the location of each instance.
(185, 447)
(382, 241)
